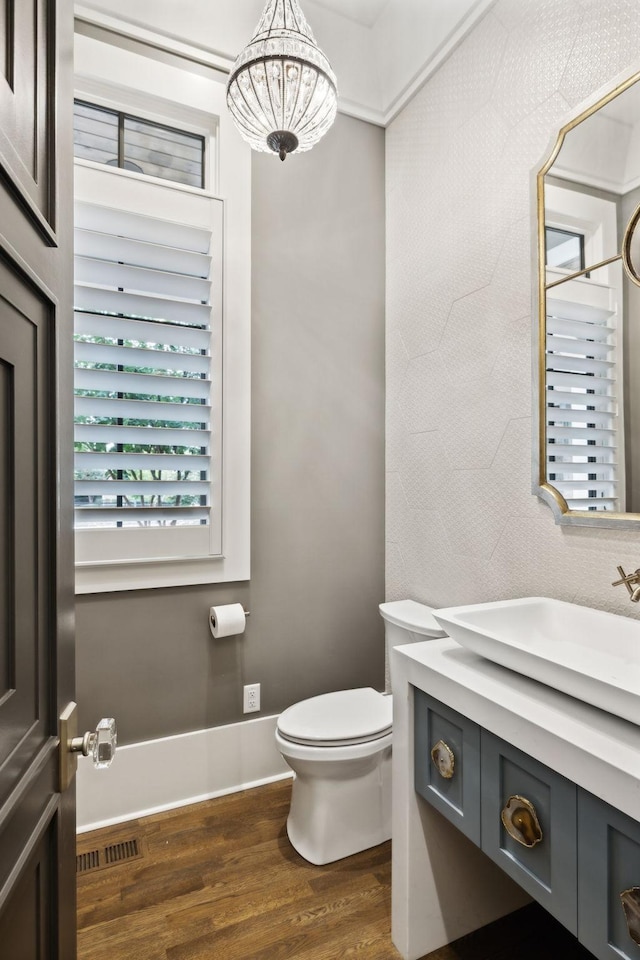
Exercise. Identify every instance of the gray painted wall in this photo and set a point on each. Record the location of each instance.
(147, 657)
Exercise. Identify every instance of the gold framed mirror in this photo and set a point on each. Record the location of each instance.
(587, 450)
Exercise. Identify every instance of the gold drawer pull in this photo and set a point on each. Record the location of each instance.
(521, 821)
(443, 759)
(631, 906)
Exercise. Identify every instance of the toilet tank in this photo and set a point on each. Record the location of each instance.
(406, 621)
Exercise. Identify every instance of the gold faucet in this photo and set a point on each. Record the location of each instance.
(628, 579)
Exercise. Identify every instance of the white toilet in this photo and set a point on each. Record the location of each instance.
(339, 747)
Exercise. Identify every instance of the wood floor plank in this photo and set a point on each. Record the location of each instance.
(126, 937)
(281, 929)
(219, 880)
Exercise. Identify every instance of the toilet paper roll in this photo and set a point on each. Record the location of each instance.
(227, 620)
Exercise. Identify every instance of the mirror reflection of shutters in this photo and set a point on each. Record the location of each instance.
(582, 401)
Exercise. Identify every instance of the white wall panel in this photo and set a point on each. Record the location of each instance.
(462, 525)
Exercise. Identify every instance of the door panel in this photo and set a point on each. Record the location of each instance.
(37, 674)
(26, 925)
(6, 41)
(25, 352)
(6, 528)
(27, 110)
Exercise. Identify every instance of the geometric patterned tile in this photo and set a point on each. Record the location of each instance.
(536, 56)
(511, 470)
(423, 396)
(529, 141)
(511, 14)
(512, 278)
(477, 515)
(474, 422)
(606, 45)
(397, 362)
(531, 561)
(396, 587)
(424, 472)
(397, 507)
(473, 333)
(513, 372)
(396, 436)
(462, 522)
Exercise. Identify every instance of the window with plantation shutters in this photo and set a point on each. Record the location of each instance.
(148, 303)
(583, 396)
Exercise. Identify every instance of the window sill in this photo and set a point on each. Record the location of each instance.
(169, 572)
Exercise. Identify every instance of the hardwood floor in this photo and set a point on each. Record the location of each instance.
(219, 881)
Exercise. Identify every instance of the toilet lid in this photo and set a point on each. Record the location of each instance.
(412, 616)
(336, 719)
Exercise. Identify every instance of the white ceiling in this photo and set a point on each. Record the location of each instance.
(382, 51)
(364, 12)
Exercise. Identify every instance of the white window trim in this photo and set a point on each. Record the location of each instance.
(228, 176)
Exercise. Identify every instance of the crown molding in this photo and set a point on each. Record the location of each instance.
(366, 106)
(435, 60)
(87, 17)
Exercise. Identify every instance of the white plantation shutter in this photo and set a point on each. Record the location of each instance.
(583, 423)
(147, 370)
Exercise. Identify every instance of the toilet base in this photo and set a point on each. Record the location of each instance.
(338, 810)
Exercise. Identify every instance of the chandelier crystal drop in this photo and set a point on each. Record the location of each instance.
(282, 92)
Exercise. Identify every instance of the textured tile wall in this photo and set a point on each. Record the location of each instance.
(462, 524)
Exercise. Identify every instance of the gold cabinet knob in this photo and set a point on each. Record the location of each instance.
(443, 759)
(521, 822)
(631, 906)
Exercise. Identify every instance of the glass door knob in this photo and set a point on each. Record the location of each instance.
(100, 744)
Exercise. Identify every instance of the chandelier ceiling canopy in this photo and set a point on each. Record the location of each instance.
(282, 92)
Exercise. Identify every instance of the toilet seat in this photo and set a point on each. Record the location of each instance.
(343, 718)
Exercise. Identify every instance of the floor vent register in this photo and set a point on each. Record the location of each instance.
(109, 856)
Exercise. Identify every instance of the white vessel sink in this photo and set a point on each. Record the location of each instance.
(589, 654)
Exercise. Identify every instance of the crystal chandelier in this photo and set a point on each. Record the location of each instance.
(282, 91)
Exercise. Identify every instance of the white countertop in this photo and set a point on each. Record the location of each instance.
(594, 749)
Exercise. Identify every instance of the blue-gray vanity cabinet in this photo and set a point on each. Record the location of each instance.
(453, 786)
(608, 865)
(547, 869)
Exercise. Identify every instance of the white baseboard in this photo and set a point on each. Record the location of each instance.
(157, 775)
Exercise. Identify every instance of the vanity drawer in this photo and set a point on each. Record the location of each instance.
(608, 865)
(540, 806)
(447, 763)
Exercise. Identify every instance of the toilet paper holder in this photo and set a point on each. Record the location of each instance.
(227, 620)
(247, 613)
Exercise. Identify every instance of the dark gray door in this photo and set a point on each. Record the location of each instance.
(37, 821)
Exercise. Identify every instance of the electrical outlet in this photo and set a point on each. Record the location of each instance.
(251, 698)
